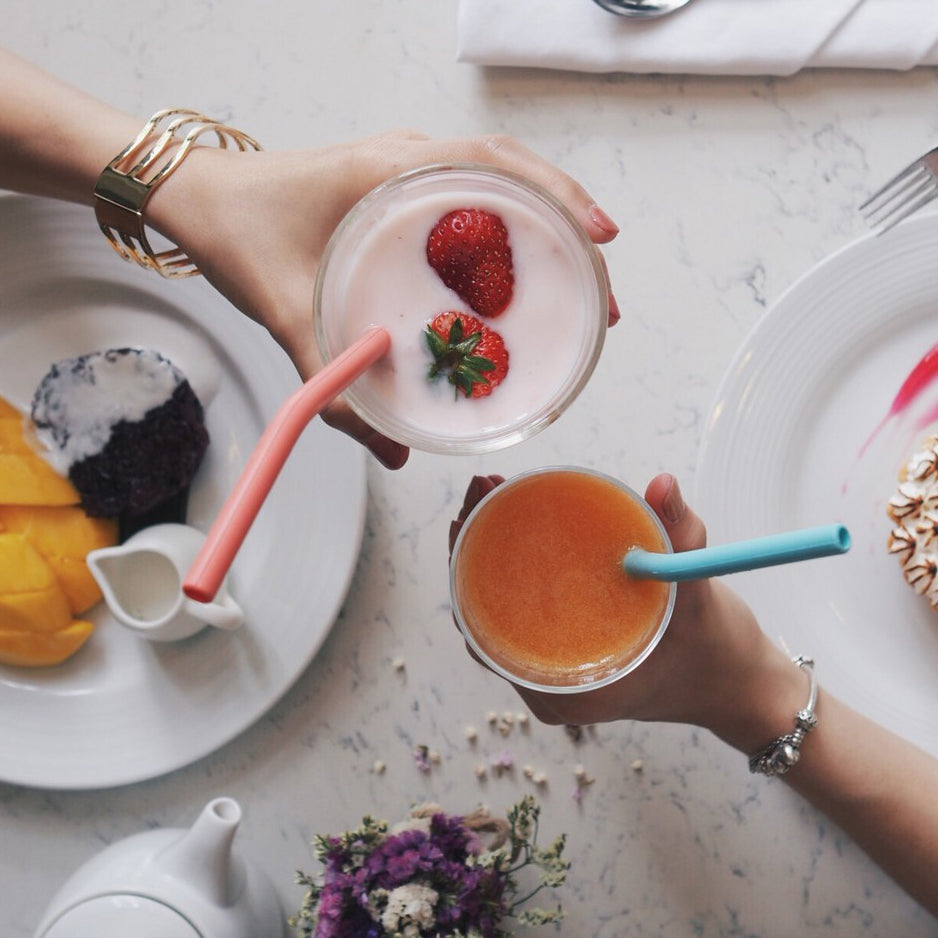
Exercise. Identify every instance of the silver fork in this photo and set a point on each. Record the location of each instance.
(906, 193)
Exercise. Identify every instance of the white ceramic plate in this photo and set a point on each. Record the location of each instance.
(123, 709)
(798, 436)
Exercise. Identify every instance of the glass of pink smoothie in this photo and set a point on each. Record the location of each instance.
(375, 272)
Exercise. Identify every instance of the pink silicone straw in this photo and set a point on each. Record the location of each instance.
(278, 439)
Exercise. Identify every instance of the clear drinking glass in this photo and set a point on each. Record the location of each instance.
(537, 585)
(375, 272)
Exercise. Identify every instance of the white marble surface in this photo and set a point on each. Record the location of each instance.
(726, 190)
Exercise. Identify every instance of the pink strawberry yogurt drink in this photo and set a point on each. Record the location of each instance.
(375, 272)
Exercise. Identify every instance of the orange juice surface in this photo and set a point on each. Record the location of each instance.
(540, 584)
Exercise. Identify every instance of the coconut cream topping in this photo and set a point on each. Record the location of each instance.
(914, 510)
(81, 400)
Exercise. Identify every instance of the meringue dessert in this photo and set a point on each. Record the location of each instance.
(914, 511)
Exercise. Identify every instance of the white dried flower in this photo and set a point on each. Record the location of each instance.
(410, 907)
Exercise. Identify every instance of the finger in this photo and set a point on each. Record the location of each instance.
(512, 155)
(478, 488)
(614, 314)
(686, 530)
(507, 153)
(539, 707)
(391, 454)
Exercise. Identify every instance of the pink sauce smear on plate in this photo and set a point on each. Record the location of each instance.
(919, 378)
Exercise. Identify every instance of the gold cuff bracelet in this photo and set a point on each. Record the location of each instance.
(122, 190)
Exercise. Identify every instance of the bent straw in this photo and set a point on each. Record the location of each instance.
(806, 544)
(242, 505)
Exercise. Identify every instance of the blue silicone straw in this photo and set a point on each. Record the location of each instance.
(806, 544)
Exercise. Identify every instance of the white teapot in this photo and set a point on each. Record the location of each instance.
(172, 883)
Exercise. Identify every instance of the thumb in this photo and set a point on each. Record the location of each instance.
(684, 527)
(686, 531)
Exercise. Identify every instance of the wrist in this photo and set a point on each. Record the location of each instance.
(179, 204)
(760, 706)
(125, 187)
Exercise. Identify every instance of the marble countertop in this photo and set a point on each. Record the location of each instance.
(726, 190)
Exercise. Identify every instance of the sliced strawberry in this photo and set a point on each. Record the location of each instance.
(471, 355)
(469, 249)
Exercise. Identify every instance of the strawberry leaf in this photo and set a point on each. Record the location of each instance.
(453, 355)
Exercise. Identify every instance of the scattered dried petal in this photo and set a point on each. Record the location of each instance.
(422, 758)
(503, 762)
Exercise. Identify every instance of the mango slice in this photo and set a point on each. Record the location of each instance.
(64, 536)
(43, 649)
(44, 539)
(25, 477)
(31, 597)
(8, 410)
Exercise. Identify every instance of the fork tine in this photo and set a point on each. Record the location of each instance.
(914, 167)
(909, 177)
(907, 192)
(907, 208)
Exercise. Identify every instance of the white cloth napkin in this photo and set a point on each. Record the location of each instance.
(708, 37)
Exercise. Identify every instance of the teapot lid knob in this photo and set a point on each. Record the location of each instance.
(118, 916)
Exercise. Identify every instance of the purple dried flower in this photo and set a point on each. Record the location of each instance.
(432, 878)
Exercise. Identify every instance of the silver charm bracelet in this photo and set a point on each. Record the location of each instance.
(781, 754)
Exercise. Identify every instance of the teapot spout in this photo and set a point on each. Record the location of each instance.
(203, 859)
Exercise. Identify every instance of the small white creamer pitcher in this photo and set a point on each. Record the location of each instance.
(141, 580)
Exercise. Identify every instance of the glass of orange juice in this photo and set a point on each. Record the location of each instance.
(537, 584)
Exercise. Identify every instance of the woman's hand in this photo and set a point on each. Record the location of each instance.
(256, 224)
(713, 667)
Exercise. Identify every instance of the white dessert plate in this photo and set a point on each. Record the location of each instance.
(800, 434)
(124, 709)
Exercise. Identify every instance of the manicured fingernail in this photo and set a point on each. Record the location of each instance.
(673, 505)
(601, 220)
